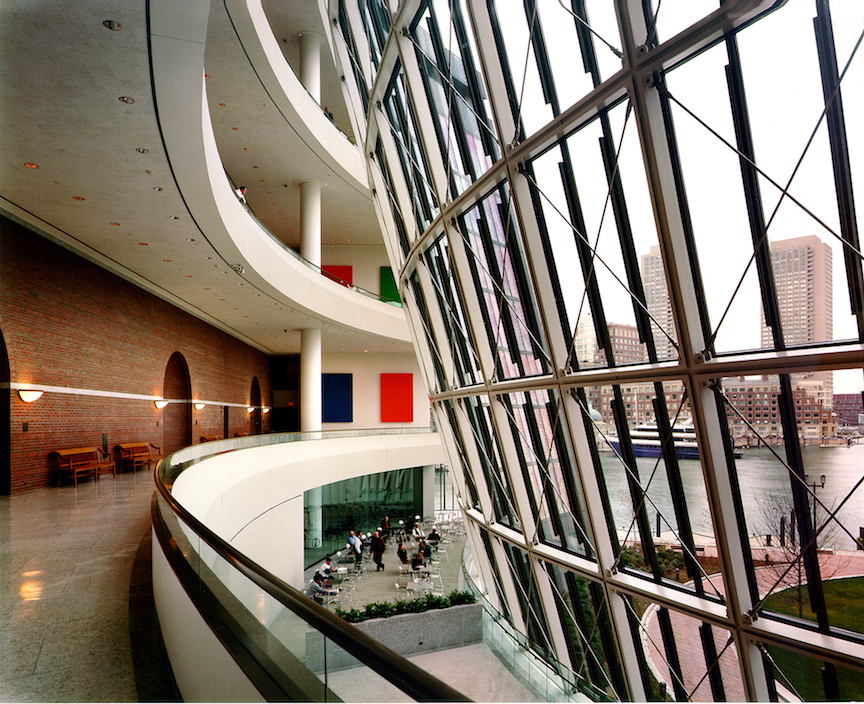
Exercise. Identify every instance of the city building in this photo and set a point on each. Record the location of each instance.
(659, 304)
(754, 410)
(803, 278)
(498, 167)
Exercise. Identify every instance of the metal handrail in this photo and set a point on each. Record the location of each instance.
(402, 673)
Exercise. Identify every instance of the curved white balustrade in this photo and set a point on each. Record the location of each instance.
(253, 498)
(178, 36)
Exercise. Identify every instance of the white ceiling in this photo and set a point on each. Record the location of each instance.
(62, 76)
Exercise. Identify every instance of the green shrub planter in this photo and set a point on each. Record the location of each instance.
(423, 625)
(385, 609)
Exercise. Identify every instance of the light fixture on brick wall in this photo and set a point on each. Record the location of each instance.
(199, 406)
(266, 409)
(161, 403)
(29, 395)
(250, 409)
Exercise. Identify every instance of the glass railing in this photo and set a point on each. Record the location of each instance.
(279, 637)
(294, 253)
(551, 680)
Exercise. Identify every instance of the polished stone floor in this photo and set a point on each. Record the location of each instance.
(74, 590)
(76, 614)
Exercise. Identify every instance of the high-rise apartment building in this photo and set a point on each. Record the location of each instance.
(658, 303)
(803, 281)
(802, 276)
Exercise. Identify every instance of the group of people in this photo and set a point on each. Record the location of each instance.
(321, 584)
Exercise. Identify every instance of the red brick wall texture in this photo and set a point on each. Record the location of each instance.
(67, 322)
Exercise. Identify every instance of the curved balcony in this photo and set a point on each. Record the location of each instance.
(234, 630)
(177, 35)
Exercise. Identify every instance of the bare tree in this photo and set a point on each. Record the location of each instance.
(783, 551)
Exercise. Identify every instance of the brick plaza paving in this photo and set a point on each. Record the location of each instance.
(686, 630)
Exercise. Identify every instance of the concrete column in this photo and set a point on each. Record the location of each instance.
(310, 221)
(428, 490)
(310, 421)
(310, 63)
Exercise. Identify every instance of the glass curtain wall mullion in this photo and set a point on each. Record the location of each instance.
(503, 505)
(473, 494)
(499, 268)
(351, 46)
(773, 320)
(496, 574)
(434, 354)
(437, 76)
(452, 309)
(402, 121)
(384, 167)
(522, 574)
(840, 163)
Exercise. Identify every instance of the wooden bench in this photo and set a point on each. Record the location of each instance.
(209, 438)
(82, 460)
(135, 454)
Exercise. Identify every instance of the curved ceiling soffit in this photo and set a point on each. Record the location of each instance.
(178, 33)
(292, 99)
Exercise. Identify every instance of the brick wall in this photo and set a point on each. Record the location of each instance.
(67, 322)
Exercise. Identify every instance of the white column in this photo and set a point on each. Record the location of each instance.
(310, 421)
(310, 63)
(310, 380)
(310, 221)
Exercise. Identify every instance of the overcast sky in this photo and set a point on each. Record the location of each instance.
(785, 101)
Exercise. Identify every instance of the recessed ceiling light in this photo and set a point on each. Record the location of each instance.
(190, 239)
(234, 128)
(206, 75)
(126, 99)
(31, 166)
(143, 244)
(174, 217)
(141, 150)
(221, 105)
(112, 25)
(245, 149)
(158, 188)
(116, 224)
(77, 198)
(208, 257)
(206, 289)
(188, 276)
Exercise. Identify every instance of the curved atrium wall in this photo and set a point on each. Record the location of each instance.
(586, 210)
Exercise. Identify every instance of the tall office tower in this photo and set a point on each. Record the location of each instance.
(626, 346)
(659, 304)
(803, 280)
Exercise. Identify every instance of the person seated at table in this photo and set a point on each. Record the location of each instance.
(317, 590)
(417, 532)
(417, 561)
(433, 537)
(425, 549)
(402, 554)
(327, 568)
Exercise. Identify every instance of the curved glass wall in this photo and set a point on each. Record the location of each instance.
(636, 284)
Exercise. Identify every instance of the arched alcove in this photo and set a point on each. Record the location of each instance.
(255, 402)
(177, 416)
(5, 421)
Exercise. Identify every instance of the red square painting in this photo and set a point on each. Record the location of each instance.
(397, 398)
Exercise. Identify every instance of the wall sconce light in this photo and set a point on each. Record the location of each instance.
(29, 395)
(199, 406)
(266, 409)
(250, 409)
(160, 403)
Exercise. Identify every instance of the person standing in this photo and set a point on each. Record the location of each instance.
(355, 545)
(378, 548)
